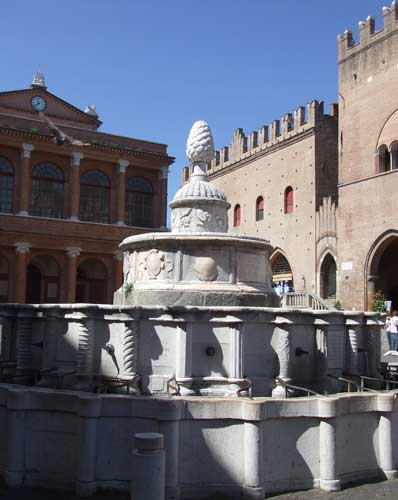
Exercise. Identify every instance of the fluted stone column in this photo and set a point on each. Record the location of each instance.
(25, 179)
(21, 249)
(236, 362)
(121, 197)
(85, 352)
(75, 160)
(24, 342)
(283, 351)
(353, 323)
(130, 350)
(72, 255)
(336, 349)
(372, 344)
(163, 176)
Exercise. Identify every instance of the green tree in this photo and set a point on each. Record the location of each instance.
(378, 304)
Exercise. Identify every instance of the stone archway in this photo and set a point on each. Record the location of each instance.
(382, 269)
(42, 280)
(328, 280)
(91, 282)
(282, 274)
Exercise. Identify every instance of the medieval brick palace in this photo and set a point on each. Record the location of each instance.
(68, 195)
(323, 187)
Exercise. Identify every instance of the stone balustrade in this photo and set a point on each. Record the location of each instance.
(207, 350)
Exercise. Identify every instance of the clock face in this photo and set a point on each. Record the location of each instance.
(38, 103)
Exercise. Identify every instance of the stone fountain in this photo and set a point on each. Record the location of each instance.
(198, 263)
(196, 316)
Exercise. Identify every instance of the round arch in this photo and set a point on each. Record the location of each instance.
(381, 268)
(91, 281)
(42, 280)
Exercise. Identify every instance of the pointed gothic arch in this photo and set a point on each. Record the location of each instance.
(281, 269)
(328, 277)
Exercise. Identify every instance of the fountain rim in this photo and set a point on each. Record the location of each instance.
(141, 240)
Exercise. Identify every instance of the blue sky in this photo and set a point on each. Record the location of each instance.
(153, 67)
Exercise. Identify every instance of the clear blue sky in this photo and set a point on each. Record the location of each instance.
(153, 67)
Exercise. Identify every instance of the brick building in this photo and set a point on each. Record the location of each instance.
(281, 182)
(324, 188)
(368, 175)
(65, 207)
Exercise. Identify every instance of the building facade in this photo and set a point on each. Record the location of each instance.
(69, 194)
(322, 187)
(281, 182)
(368, 181)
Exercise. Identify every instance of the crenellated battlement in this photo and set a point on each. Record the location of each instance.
(291, 125)
(367, 33)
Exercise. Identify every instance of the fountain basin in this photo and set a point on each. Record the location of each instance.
(199, 269)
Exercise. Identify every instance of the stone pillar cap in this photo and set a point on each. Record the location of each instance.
(149, 441)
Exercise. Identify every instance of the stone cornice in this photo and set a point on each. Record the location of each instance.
(95, 147)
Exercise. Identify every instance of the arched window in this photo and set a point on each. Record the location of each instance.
(6, 185)
(237, 216)
(42, 280)
(260, 208)
(94, 197)
(394, 155)
(47, 191)
(328, 277)
(289, 200)
(383, 159)
(139, 202)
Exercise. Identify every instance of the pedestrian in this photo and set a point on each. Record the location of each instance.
(388, 332)
(394, 332)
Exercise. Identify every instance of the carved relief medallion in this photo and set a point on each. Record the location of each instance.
(206, 269)
(152, 264)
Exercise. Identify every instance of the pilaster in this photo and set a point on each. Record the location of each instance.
(21, 249)
(163, 178)
(72, 254)
(25, 179)
(74, 194)
(121, 199)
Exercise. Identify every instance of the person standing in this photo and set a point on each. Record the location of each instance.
(388, 332)
(394, 331)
